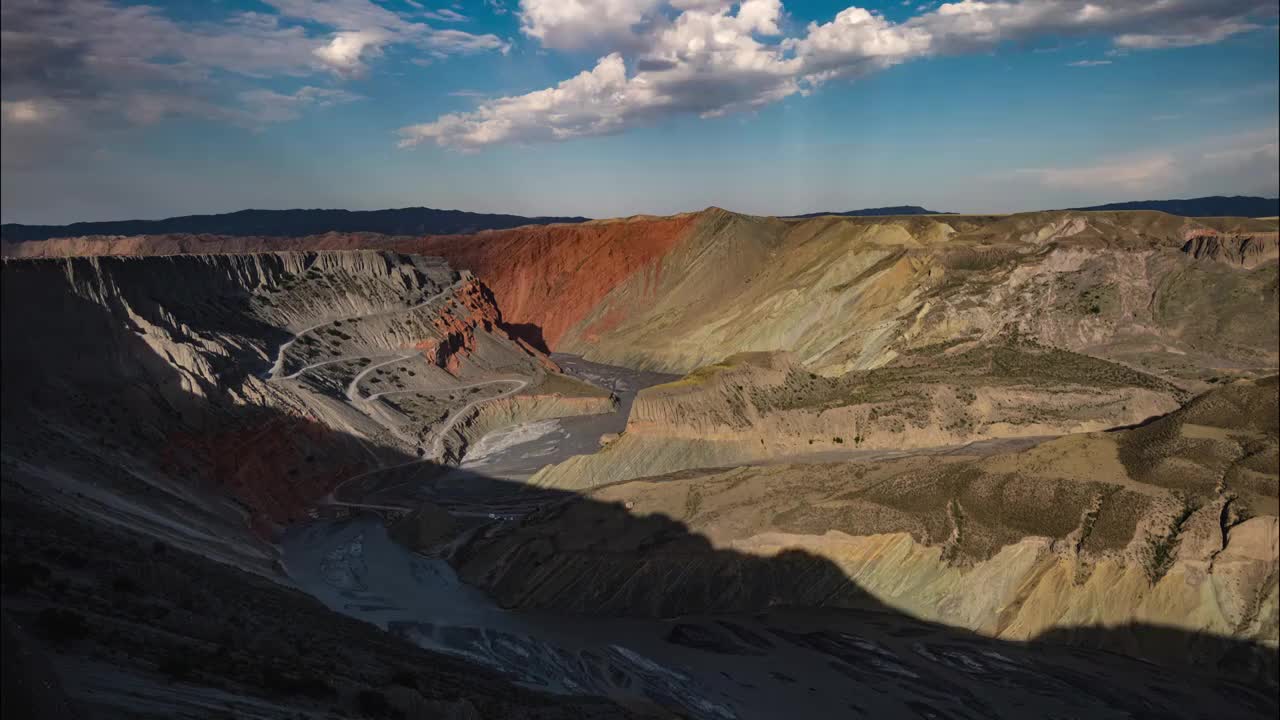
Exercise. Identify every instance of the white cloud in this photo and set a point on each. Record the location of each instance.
(1088, 63)
(712, 57)
(1133, 174)
(570, 24)
(445, 15)
(857, 42)
(29, 112)
(79, 74)
(594, 102)
(706, 62)
(442, 43)
(364, 28)
(346, 51)
(1247, 163)
(1168, 23)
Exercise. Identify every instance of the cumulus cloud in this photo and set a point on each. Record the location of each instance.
(857, 42)
(571, 24)
(712, 57)
(346, 52)
(116, 62)
(706, 62)
(594, 102)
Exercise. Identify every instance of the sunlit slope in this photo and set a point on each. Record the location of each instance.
(1168, 294)
(1172, 524)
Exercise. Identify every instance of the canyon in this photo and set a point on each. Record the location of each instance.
(712, 465)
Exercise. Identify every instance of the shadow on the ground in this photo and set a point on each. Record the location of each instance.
(528, 332)
(89, 588)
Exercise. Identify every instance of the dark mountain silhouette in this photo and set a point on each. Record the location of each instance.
(875, 212)
(1215, 206)
(291, 223)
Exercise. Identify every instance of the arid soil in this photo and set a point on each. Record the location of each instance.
(1049, 438)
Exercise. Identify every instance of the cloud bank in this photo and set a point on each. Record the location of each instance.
(75, 67)
(664, 58)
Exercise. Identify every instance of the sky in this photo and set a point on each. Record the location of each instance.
(120, 110)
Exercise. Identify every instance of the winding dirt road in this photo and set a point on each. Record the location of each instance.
(278, 365)
(431, 451)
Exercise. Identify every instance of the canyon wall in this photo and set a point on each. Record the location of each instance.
(673, 294)
(199, 395)
(1172, 524)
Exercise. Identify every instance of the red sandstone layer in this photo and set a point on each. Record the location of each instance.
(550, 277)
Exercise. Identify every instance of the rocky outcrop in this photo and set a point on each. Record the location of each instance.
(1245, 251)
(470, 307)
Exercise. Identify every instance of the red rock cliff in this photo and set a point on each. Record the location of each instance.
(547, 278)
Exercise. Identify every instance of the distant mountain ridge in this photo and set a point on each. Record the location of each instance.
(292, 223)
(875, 212)
(1215, 206)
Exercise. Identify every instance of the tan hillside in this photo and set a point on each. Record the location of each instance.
(757, 407)
(1171, 524)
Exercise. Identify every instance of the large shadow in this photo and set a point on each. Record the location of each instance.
(528, 332)
(86, 587)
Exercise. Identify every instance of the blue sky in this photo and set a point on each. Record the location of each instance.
(115, 110)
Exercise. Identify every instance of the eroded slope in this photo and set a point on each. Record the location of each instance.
(1172, 524)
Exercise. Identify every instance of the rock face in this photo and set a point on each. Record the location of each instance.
(1246, 251)
(547, 279)
(1170, 524)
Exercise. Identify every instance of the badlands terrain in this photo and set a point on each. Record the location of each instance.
(709, 465)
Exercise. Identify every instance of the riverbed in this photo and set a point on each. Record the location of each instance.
(788, 664)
